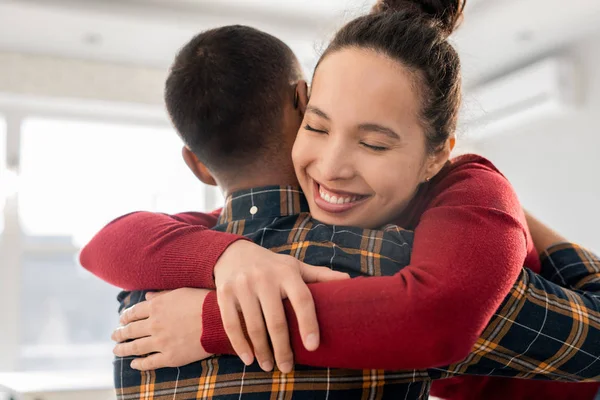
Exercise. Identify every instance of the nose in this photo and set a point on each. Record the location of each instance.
(335, 162)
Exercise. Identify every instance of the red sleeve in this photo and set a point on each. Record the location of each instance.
(146, 250)
(469, 247)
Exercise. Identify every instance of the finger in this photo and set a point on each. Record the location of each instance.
(133, 330)
(233, 329)
(153, 361)
(255, 325)
(312, 274)
(274, 315)
(135, 313)
(138, 347)
(152, 295)
(303, 304)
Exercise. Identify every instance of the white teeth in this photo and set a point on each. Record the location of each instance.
(335, 199)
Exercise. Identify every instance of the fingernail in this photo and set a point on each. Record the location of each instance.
(134, 364)
(266, 366)
(246, 358)
(286, 367)
(311, 342)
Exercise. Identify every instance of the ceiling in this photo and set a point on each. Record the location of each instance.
(497, 34)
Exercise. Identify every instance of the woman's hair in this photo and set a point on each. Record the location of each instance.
(415, 33)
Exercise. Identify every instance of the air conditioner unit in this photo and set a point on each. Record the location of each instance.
(546, 89)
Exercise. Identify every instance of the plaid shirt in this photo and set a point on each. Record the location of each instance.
(540, 331)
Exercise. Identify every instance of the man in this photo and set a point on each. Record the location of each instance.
(231, 125)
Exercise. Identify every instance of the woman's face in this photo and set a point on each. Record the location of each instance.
(360, 153)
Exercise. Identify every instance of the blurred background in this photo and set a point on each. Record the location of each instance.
(84, 138)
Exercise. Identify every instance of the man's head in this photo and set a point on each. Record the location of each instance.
(236, 97)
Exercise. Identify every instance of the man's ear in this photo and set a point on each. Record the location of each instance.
(301, 96)
(197, 167)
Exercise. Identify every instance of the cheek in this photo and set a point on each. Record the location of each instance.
(297, 151)
(300, 152)
(394, 181)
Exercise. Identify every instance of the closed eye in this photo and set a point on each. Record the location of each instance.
(310, 128)
(374, 148)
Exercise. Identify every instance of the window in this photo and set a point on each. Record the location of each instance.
(74, 178)
(77, 176)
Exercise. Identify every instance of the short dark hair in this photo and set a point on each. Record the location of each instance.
(225, 94)
(415, 33)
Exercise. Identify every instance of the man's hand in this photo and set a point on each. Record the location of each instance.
(168, 324)
(254, 280)
(542, 235)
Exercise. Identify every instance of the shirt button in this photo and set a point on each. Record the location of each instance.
(253, 210)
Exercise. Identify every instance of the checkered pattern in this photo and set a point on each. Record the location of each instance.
(537, 318)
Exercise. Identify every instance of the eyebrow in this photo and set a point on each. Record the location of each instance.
(368, 127)
(379, 129)
(318, 111)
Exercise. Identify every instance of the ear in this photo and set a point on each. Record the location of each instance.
(436, 161)
(301, 96)
(197, 167)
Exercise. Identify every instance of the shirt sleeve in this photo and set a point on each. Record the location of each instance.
(469, 248)
(543, 330)
(146, 250)
(571, 266)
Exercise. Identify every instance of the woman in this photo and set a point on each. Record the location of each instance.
(374, 149)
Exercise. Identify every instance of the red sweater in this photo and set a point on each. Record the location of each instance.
(470, 244)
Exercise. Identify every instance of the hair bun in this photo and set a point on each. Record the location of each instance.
(448, 14)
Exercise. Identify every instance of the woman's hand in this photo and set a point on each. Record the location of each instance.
(168, 324)
(254, 280)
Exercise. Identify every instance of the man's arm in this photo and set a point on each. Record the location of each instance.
(146, 250)
(542, 329)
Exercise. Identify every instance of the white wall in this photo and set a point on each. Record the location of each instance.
(555, 164)
(67, 78)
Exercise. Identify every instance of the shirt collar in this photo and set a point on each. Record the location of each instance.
(264, 202)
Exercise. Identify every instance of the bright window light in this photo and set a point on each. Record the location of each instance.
(77, 176)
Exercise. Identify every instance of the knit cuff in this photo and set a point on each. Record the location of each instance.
(190, 261)
(214, 339)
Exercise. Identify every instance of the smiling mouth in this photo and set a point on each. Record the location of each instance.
(334, 201)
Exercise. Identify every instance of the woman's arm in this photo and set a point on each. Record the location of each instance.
(153, 251)
(468, 250)
(532, 302)
(146, 250)
(469, 247)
